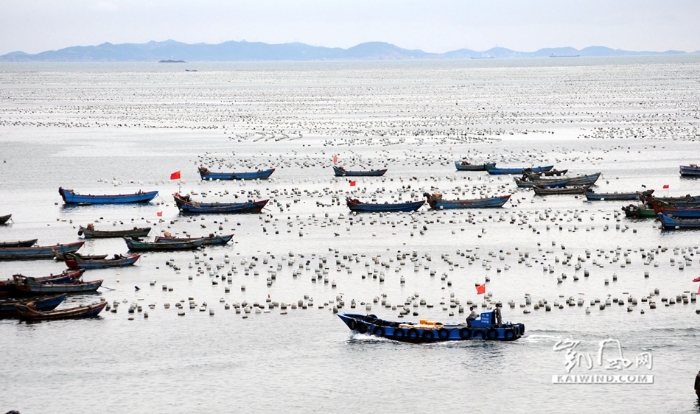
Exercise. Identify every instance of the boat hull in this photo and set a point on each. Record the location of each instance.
(187, 206)
(136, 246)
(439, 204)
(38, 252)
(29, 286)
(29, 312)
(355, 205)
(559, 191)
(583, 180)
(507, 171)
(76, 262)
(105, 234)
(252, 175)
(670, 223)
(340, 172)
(638, 212)
(473, 167)
(690, 171)
(70, 197)
(208, 241)
(8, 308)
(611, 196)
(19, 243)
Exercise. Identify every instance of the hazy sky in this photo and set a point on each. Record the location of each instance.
(431, 25)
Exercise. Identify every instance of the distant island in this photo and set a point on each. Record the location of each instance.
(257, 51)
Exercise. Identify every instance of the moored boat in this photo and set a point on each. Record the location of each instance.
(493, 170)
(30, 312)
(19, 243)
(77, 262)
(436, 202)
(671, 223)
(9, 289)
(638, 211)
(583, 180)
(593, 196)
(5, 219)
(8, 307)
(342, 172)
(484, 327)
(360, 207)
(187, 206)
(30, 286)
(543, 191)
(70, 197)
(464, 165)
(205, 174)
(89, 232)
(692, 170)
(210, 240)
(37, 252)
(162, 246)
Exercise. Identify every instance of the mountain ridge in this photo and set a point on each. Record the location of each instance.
(155, 51)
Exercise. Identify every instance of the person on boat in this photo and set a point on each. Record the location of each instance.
(497, 314)
(472, 316)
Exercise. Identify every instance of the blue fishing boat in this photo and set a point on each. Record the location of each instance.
(74, 261)
(30, 312)
(593, 196)
(30, 286)
(205, 174)
(672, 223)
(70, 197)
(163, 246)
(691, 170)
(502, 171)
(211, 240)
(8, 308)
(187, 206)
(581, 180)
(342, 172)
(466, 166)
(5, 219)
(360, 207)
(484, 327)
(37, 252)
(436, 202)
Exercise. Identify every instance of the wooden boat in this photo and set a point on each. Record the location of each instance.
(89, 232)
(342, 172)
(37, 252)
(5, 219)
(503, 171)
(187, 206)
(30, 286)
(581, 180)
(8, 308)
(691, 170)
(205, 174)
(485, 327)
(360, 207)
(675, 211)
(61, 256)
(687, 199)
(466, 166)
(20, 243)
(162, 246)
(437, 203)
(638, 211)
(29, 312)
(543, 191)
(593, 196)
(77, 262)
(670, 223)
(9, 289)
(70, 197)
(211, 240)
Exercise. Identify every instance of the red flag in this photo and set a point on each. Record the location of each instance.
(481, 289)
(665, 186)
(353, 183)
(159, 214)
(175, 175)
(335, 159)
(697, 279)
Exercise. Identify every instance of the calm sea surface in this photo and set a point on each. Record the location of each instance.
(118, 128)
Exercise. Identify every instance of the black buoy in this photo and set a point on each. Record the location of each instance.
(137, 288)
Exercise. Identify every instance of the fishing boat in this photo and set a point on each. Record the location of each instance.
(484, 327)
(671, 223)
(582, 180)
(593, 196)
(360, 207)
(638, 211)
(187, 206)
(9, 289)
(30, 312)
(205, 174)
(37, 252)
(676, 211)
(687, 199)
(30, 286)
(77, 262)
(466, 166)
(89, 232)
(5, 219)
(210, 240)
(436, 202)
(342, 172)
(8, 307)
(61, 256)
(691, 170)
(70, 197)
(19, 243)
(503, 171)
(162, 246)
(543, 191)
